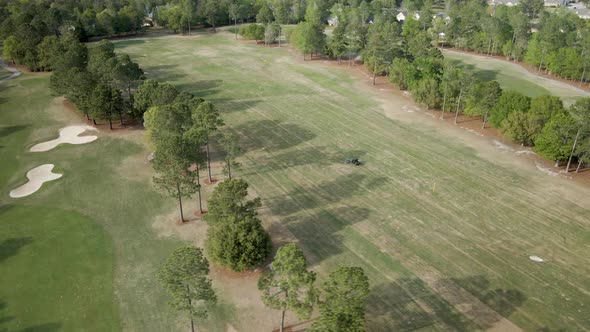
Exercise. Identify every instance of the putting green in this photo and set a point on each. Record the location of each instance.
(57, 270)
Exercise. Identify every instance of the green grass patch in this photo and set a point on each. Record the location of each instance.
(299, 121)
(97, 218)
(511, 76)
(57, 271)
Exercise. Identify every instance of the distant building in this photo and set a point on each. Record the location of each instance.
(333, 21)
(442, 16)
(580, 10)
(509, 3)
(401, 16)
(556, 3)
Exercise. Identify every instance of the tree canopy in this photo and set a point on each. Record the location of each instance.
(288, 285)
(184, 276)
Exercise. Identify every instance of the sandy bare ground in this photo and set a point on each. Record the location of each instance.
(67, 135)
(37, 176)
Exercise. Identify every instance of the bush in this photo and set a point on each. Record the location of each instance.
(522, 127)
(427, 92)
(509, 102)
(238, 244)
(252, 31)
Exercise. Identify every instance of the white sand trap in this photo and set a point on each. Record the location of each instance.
(67, 135)
(37, 176)
(536, 259)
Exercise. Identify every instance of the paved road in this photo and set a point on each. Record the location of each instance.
(14, 72)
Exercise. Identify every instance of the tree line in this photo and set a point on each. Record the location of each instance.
(99, 82)
(27, 26)
(407, 53)
(287, 285)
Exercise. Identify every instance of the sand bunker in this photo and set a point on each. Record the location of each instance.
(67, 135)
(536, 259)
(37, 176)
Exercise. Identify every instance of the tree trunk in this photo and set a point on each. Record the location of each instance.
(442, 115)
(94, 121)
(569, 161)
(579, 166)
(229, 168)
(542, 59)
(485, 119)
(190, 310)
(199, 190)
(236, 27)
(121, 117)
(208, 162)
(179, 202)
(458, 105)
(282, 320)
(111, 123)
(374, 72)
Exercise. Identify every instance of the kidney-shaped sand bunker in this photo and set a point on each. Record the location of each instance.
(68, 135)
(37, 176)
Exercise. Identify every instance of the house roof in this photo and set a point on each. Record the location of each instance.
(554, 3)
(508, 3)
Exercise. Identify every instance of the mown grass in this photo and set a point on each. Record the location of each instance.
(298, 121)
(81, 253)
(513, 77)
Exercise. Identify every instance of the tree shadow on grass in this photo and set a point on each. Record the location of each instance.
(203, 89)
(47, 327)
(163, 73)
(409, 304)
(227, 105)
(8, 130)
(317, 233)
(325, 193)
(503, 301)
(318, 156)
(124, 43)
(12, 246)
(485, 75)
(271, 135)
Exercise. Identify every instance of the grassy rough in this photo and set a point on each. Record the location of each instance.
(299, 121)
(94, 224)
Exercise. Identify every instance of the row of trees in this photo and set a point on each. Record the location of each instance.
(554, 41)
(26, 24)
(542, 122)
(287, 286)
(236, 239)
(97, 81)
(405, 52)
